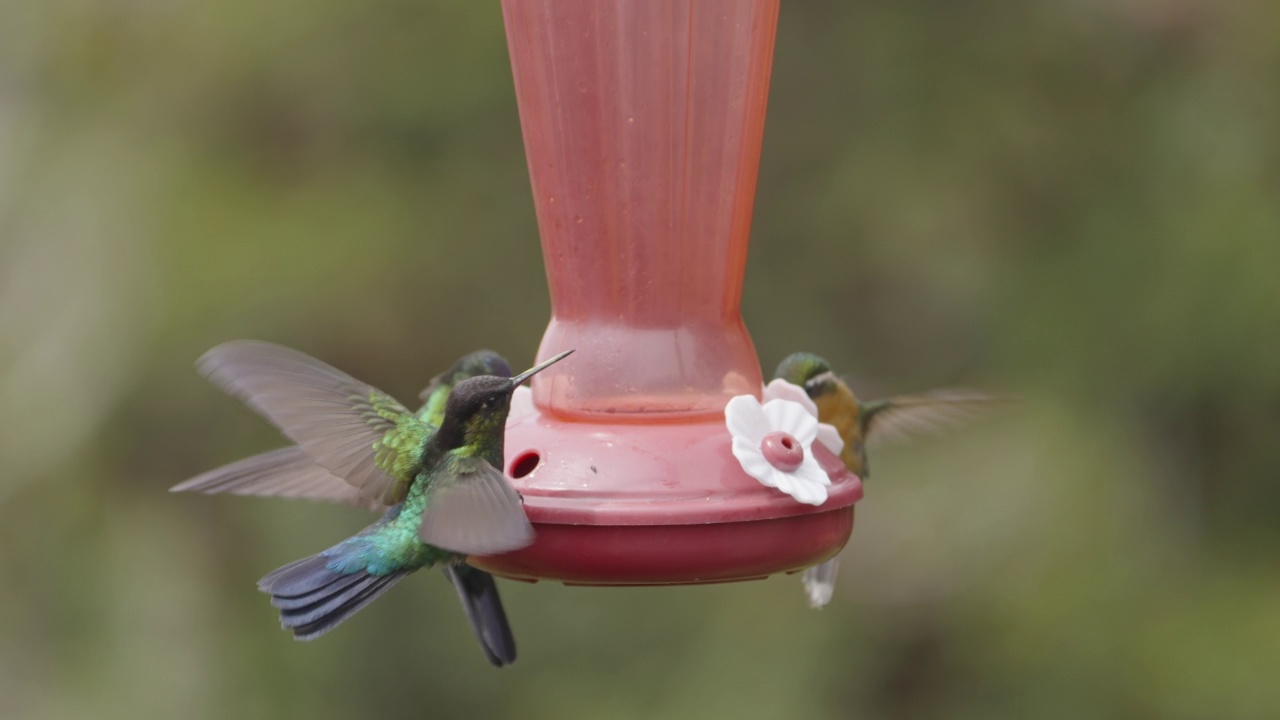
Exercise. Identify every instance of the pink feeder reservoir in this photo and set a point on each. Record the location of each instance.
(642, 124)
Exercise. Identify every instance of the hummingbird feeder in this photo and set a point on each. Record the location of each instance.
(642, 124)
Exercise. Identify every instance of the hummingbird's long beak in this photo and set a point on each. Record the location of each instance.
(515, 381)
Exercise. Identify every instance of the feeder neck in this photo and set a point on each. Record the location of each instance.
(642, 124)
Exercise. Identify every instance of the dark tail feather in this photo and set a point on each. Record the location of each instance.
(479, 595)
(314, 599)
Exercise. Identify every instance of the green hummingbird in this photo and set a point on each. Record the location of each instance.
(870, 422)
(441, 484)
(291, 472)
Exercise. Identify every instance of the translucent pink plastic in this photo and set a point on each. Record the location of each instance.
(642, 125)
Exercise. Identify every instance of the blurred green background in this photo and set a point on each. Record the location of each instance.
(1077, 200)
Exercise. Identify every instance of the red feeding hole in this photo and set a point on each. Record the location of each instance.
(525, 464)
(782, 451)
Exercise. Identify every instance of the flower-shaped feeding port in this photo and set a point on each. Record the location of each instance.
(828, 435)
(643, 124)
(774, 444)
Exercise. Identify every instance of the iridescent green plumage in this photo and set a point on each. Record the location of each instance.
(438, 469)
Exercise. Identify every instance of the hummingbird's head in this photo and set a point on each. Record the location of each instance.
(480, 362)
(810, 372)
(480, 404)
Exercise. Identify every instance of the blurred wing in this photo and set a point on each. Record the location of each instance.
(434, 398)
(432, 385)
(339, 421)
(473, 510)
(288, 472)
(905, 416)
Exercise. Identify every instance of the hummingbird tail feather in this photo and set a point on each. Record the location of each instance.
(313, 599)
(820, 582)
(478, 592)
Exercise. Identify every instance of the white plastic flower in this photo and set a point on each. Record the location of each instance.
(780, 389)
(774, 444)
(522, 404)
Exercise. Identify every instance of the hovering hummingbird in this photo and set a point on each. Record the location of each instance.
(436, 474)
(292, 472)
(870, 422)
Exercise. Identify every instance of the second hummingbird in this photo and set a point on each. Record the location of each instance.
(870, 421)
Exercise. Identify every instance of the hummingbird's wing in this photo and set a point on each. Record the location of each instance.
(288, 472)
(907, 415)
(472, 509)
(432, 386)
(434, 398)
(349, 428)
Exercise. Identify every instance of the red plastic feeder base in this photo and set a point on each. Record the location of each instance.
(675, 554)
(664, 504)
